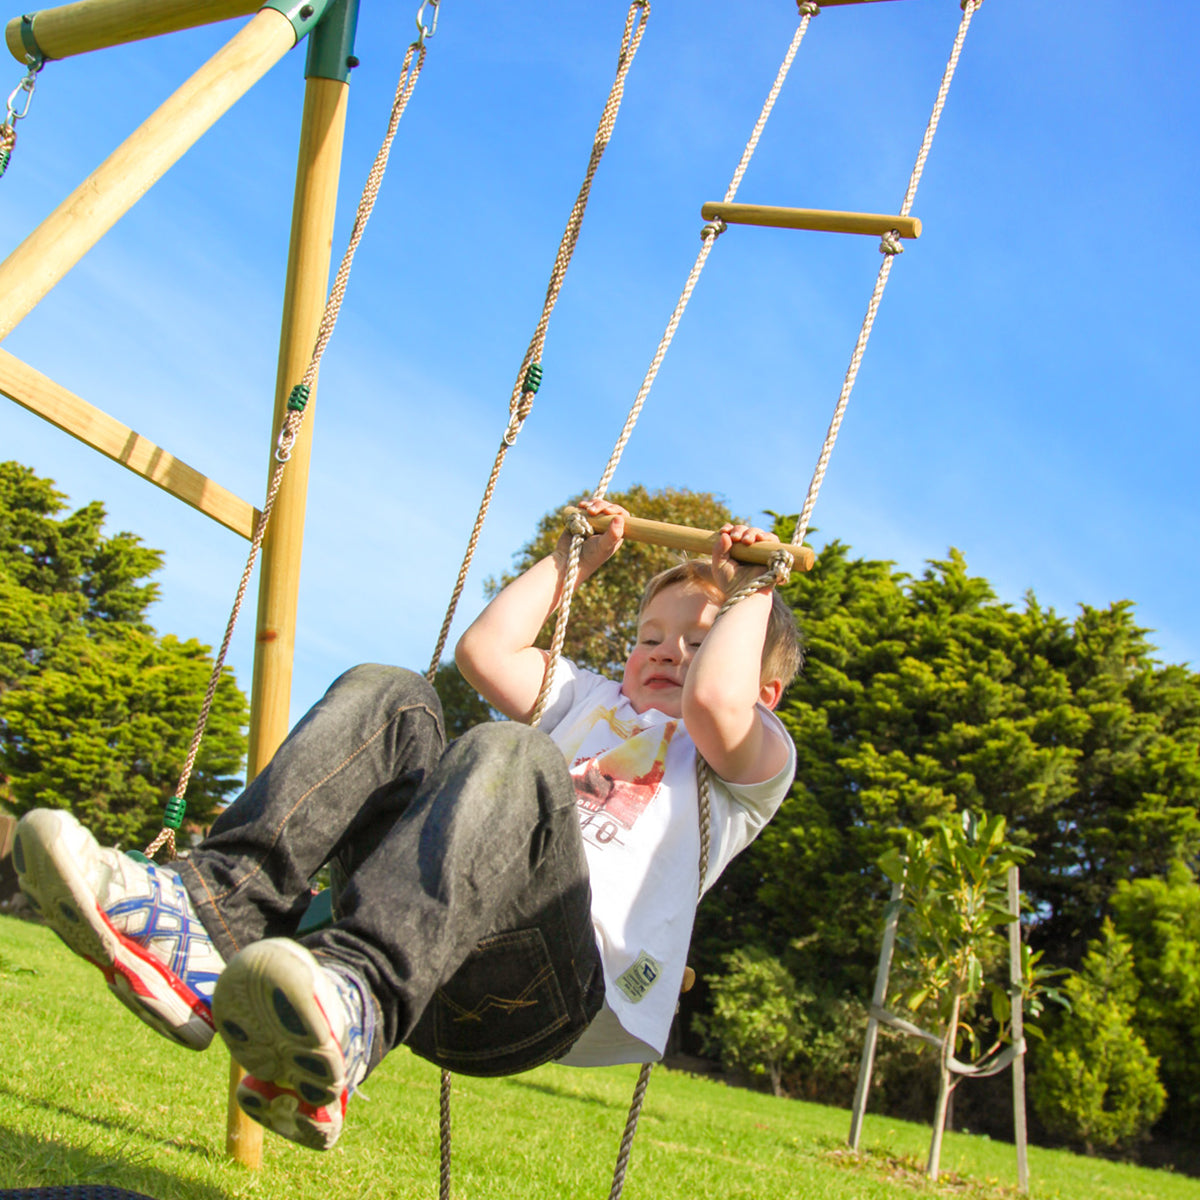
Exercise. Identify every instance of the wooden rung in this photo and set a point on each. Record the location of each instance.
(94, 24)
(699, 541)
(820, 219)
(49, 400)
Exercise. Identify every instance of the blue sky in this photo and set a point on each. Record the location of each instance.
(1029, 395)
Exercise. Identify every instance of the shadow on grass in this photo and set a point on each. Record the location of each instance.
(563, 1093)
(115, 1126)
(27, 1161)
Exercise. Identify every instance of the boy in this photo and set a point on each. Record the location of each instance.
(511, 899)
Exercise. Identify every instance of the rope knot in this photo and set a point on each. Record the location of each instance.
(890, 243)
(579, 525)
(807, 8)
(713, 229)
(781, 563)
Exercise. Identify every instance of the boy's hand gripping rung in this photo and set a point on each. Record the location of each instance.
(699, 541)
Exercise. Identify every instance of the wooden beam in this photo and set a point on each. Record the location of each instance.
(115, 186)
(93, 24)
(699, 541)
(45, 398)
(820, 219)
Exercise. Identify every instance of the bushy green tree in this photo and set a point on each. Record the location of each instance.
(1096, 1083)
(924, 697)
(756, 1024)
(1161, 920)
(96, 710)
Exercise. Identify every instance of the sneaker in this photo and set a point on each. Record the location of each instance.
(134, 921)
(302, 1030)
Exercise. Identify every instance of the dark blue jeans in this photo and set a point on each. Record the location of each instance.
(466, 909)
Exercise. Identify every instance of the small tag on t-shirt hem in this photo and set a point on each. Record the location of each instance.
(638, 979)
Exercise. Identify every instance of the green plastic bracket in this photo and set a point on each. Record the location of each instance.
(33, 51)
(331, 47)
(305, 15)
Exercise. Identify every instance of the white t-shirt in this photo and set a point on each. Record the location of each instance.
(635, 784)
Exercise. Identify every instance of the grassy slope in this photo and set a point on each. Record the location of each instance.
(92, 1096)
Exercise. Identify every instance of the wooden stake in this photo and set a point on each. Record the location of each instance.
(65, 236)
(867, 1063)
(49, 400)
(1018, 1028)
(321, 137)
(700, 541)
(820, 219)
(93, 24)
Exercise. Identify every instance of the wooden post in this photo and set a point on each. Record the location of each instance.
(867, 1064)
(87, 25)
(69, 232)
(1018, 1028)
(321, 137)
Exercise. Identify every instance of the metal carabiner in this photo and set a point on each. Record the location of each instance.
(26, 85)
(423, 30)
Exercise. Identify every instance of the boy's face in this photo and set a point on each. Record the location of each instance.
(671, 629)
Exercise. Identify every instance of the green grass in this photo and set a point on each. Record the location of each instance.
(90, 1096)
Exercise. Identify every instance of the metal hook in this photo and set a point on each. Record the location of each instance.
(423, 30)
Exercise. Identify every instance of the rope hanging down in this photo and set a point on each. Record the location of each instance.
(580, 529)
(889, 248)
(520, 404)
(410, 71)
(529, 377)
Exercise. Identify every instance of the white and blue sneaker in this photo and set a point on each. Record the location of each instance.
(134, 921)
(302, 1030)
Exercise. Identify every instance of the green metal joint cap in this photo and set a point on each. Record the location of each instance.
(304, 15)
(331, 47)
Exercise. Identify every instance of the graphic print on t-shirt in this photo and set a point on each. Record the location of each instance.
(618, 783)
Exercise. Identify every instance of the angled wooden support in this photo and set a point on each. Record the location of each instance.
(699, 541)
(820, 219)
(83, 218)
(49, 400)
(94, 24)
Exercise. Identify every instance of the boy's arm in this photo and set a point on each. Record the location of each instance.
(722, 690)
(496, 654)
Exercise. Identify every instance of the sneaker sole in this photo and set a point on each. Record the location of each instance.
(267, 1011)
(46, 851)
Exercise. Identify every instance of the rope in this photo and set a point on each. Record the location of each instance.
(414, 60)
(889, 248)
(529, 376)
(520, 405)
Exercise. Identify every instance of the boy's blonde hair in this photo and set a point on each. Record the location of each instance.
(783, 650)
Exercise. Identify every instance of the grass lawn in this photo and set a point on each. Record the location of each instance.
(91, 1096)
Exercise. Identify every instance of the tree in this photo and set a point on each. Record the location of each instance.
(96, 710)
(1098, 1083)
(1161, 920)
(756, 1024)
(925, 697)
(953, 922)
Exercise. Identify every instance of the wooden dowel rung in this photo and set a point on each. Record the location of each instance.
(52, 402)
(820, 219)
(699, 541)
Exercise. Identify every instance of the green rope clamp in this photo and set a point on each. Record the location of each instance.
(139, 857)
(533, 378)
(173, 817)
(34, 55)
(5, 155)
(299, 398)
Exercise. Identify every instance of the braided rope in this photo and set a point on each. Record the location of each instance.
(444, 1137)
(521, 402)
(709, 235)
(635, 1111)
(519, 407)
(414, 60)
(889, 248)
